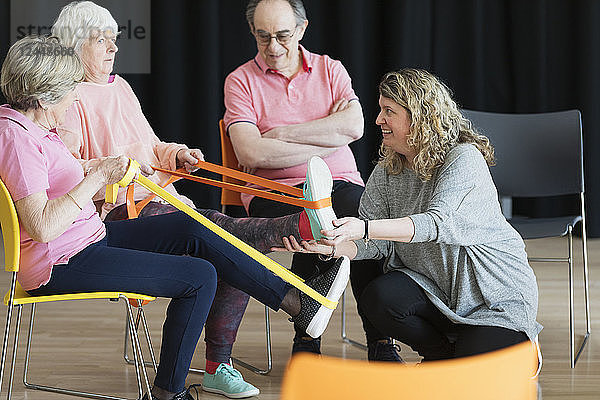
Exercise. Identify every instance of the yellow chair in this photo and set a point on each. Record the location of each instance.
(231, 198)
(500, 375)
(17, 297)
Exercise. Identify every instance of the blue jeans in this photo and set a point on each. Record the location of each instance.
(229, 304)
(143, 256)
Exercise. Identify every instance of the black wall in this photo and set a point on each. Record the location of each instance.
(505, 56)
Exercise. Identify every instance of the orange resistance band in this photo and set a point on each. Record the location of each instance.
(134, 209)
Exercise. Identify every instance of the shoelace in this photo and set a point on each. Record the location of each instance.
(536, 344)
(189, 390)
(395, 347)
(231, 373)
(388, 349)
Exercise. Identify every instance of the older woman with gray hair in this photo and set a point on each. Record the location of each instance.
(65, 246)
(107, 121)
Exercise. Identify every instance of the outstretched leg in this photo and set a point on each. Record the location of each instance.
(260, 233)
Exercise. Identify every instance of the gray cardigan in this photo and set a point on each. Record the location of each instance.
(471, 263)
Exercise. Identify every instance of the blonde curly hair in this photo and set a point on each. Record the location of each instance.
(436, 122)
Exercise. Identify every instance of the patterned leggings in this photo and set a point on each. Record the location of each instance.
(229, 303)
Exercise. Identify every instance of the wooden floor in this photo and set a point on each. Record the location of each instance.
(80, 344)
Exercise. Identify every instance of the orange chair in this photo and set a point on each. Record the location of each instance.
(231, 198)
(228, 197)
(500, 375)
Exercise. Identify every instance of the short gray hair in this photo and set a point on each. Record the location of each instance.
(78, 20)
(39, 68)
(297, 7)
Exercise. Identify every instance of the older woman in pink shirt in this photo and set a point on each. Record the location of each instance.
(107, 121)
(65, 247)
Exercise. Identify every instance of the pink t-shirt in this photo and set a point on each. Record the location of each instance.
(256, 94)
(36, 160)
(107, 120)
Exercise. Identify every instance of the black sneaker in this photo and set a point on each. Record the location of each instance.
(314, 317)
(186, 395)
(306, 345)
(383, 351)
(183, 395)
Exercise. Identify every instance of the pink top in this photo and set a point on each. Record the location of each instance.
(36, 160)
(107, 120)
(264, 97)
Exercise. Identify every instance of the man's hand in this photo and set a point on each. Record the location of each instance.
(247, 170)
(188, 158)
(275, 133)
(339, 105)
(279, 132)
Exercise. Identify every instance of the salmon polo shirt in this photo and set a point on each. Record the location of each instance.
(36, 160)
(264, 97)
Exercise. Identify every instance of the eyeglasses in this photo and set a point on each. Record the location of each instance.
(283, 37)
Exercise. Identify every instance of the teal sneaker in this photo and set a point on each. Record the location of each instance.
(318, 185)
(229, 382)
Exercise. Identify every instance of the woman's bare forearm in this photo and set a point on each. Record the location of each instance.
(45, 220)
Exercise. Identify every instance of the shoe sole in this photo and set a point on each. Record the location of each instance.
(319, 322)
(242, 395)
(320, 188)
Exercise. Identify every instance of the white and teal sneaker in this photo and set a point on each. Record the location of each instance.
(229, 382)
(318, 185)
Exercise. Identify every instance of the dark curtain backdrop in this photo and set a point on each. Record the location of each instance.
(504, 56)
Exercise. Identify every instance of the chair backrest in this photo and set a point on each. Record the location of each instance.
(228, 197)
(503, 374)
(537, 155)
(10, 230)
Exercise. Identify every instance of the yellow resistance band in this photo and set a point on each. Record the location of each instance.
(271, 265)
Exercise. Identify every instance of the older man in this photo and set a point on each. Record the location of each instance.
(285, 106)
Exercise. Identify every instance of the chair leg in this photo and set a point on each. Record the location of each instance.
(239, 362)
(147, 334)
(574, 355)
(53, 389)
(136, 362)
(141, 315)
(129, 361)
(28, 349)
(585, 285)
(7, 329)
(588, 323)
(126, 337)
(269, 350)
(14, 353)
(137, 350)
(571, 307)
(345, 338)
